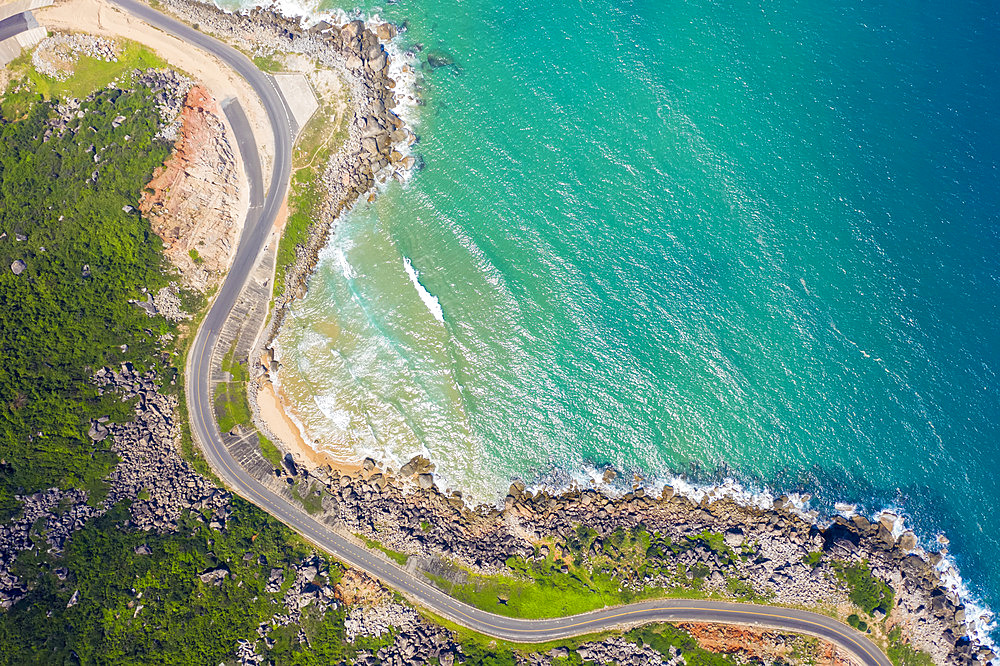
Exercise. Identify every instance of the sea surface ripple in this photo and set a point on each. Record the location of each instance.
(711, 238)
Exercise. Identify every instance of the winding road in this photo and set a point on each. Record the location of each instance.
(259, 221)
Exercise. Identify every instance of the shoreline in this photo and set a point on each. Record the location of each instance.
(482, 534)
(274, 413)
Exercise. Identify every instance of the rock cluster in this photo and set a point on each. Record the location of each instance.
(169, 90)
(168, 304)
(151, 473)
(771, 545)
(308, 583)
(159, 483)
(365, 620)
(55, 56)
(617, 650)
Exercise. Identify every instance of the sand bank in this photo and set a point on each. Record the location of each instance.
(272, 412)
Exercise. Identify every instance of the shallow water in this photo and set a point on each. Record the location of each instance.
(703, 237)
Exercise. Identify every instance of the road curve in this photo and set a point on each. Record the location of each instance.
(259, 221)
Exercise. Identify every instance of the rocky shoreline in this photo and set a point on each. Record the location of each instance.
(784, 556)
(378, 145)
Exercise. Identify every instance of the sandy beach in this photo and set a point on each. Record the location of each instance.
(272, 412)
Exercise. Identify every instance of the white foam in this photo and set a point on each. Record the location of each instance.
(429, 300)
(345, 268)
(980, 620)
(329, 406)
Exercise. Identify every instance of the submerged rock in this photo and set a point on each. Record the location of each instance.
(437, 59)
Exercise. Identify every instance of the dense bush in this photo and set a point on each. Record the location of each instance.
(139, 609)
(71, 194)
(865, 590)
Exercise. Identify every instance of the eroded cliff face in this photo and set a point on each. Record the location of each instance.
(762, 645)
(193, 202)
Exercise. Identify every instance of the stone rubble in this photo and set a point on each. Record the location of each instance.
(774, 541)
(170, 90)
(160, 484)
(55, 56)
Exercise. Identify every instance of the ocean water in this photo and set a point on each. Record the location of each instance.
(719, 239)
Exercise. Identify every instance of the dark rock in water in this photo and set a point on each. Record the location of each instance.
(438, 59)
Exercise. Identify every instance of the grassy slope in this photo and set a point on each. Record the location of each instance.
(552, 586)
(88, 76)
(318, 141)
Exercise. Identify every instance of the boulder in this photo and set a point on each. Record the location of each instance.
(18, 267)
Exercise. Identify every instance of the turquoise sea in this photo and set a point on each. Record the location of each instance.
(712, 238)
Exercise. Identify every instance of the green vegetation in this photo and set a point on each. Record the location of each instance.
(742, 589)
(479, 652)
(904, 654)
(231, 406)
(192, 302)
(560, 583)
(465, 636)
(667, 639)
(865, 590)
(309, 496)
(65, 316)
(812, 560)
(89, 75)
(305, 196)
(319, 139)
(268, 63)
(68, 313)
(398, 557)
(133, 608)
(269, 450)
(195, 257)
(857, 622)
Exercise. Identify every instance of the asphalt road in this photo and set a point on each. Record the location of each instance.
(255, 235)
(13, 25)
